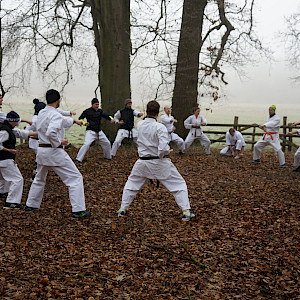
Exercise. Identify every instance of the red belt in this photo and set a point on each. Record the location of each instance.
(269, 133)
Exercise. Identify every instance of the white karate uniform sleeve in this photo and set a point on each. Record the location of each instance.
(228, 140)
(4, 136)
(188, 122)
(163, 141)
(20, 133)
(66, 113)
(136, 113)
(117, 116)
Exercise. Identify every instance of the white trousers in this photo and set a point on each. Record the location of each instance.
(205, 142)
(174, 137)
(121, 135)
(100, 138)
(70, 176)
(174, 183)
(297, 158)
(12, 181)
(275, 143)
(4, 186)
(238, 146)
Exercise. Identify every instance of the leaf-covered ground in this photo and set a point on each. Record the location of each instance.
(243, 243)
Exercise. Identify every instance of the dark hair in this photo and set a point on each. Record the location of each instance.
(52, 96)
(35, 101)
(153, 108)
(231, 130)
(195, 108)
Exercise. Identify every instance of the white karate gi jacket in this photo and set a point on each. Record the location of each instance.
(231, 140)
(165, 119)
(153, 141)
(272, 125)
(50, 125)
(193, 120)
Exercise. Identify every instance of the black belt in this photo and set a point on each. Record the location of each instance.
(149, 157)
(49, 146)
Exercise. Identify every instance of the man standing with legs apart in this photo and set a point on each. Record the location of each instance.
(125, 118)
(194, 123)
(235, 144)
(93, 115)
(271, 137)
(9, 171)
(153, 146)
(168, 120)
(51, 156)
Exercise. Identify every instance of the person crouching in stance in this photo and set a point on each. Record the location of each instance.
(235, 144)
(153, 146)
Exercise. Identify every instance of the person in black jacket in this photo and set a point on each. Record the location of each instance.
(93, 115)
(125, 118)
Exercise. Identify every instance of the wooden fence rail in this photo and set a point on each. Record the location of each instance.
(286, 140)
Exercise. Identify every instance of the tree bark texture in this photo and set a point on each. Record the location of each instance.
(186, 78)
(111, 25)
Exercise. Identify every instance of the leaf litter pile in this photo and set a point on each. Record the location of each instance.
(243, 243)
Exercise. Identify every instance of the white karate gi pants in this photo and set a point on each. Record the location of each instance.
(12, 180)
(174, 137)
(70, 176)
(227, 152)
(297, 158)
(100, 138)
(121, 135)
(173, 182)
(205, 142)
(275, 143)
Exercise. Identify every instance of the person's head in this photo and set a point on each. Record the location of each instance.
(38, 106)
(272, 109)
(167, 109)
(196, 111)
(152, 109)
(95, 103)
(232, 131)
(13, 118)
(1, 99)
(128, 103)
(53, 98)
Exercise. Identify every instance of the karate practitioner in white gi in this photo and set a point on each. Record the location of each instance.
(125, 118)
(4, 185)
(271, 137)
(168, 120)
(33, 142)
(194, 123)
(93, 115)
(9, 171)
(153, 146)
(235, 144)
(297, 154)
(51, 156)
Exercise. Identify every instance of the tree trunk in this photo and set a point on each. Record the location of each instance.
(111, 25)
(186, 78)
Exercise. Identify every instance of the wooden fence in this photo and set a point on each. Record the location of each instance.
(287, 141)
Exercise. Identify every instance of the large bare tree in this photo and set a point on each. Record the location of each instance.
(213, 34)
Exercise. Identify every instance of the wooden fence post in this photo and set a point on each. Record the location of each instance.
(290, 139)
(236, 122)
(253, 138)
(284, 133)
